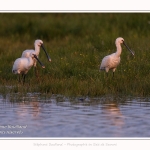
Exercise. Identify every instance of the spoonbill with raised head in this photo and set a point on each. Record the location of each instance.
(23, 65)
(110, 62)
(37, 44)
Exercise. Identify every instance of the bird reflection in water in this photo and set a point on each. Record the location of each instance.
(113, 114)
(29, 107)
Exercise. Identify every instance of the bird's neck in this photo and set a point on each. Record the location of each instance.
(119, 50)
(30, 61)
(37, 49)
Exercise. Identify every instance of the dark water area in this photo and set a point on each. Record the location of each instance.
(34, 115)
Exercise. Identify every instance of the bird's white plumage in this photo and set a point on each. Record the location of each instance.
(22, 65)
(111, 61)
(37, 45)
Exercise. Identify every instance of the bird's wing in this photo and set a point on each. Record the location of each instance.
(26, 53)
(105, 62)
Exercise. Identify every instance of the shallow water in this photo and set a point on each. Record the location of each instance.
(34, 115)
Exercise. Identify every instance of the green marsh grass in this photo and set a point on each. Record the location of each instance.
(76, 43)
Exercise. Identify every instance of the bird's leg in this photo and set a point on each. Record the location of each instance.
(35, 68)
(23, 75)
(113, 74)
(114, 71)
(107, 69)
(36, 74)
(36, 71)
(19, 78)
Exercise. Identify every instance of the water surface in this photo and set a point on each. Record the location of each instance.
(34, 115)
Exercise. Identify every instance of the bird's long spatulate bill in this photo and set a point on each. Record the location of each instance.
(128, 48)
(49, 59)
(39, 61)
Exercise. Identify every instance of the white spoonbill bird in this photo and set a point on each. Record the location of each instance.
(23, 65)
(110, 62)
(37, 44)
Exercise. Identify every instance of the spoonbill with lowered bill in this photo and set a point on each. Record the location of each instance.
(110, 62)
(23, 65)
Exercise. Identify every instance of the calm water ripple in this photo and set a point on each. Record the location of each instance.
(58, 116)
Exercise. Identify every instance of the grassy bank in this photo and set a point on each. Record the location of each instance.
(77, 42)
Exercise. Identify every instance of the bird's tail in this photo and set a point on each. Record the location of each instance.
(102, 68)
(14, 71)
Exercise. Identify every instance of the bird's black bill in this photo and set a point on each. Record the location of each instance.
(49, 59)
(39, 61)
(128, 48)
